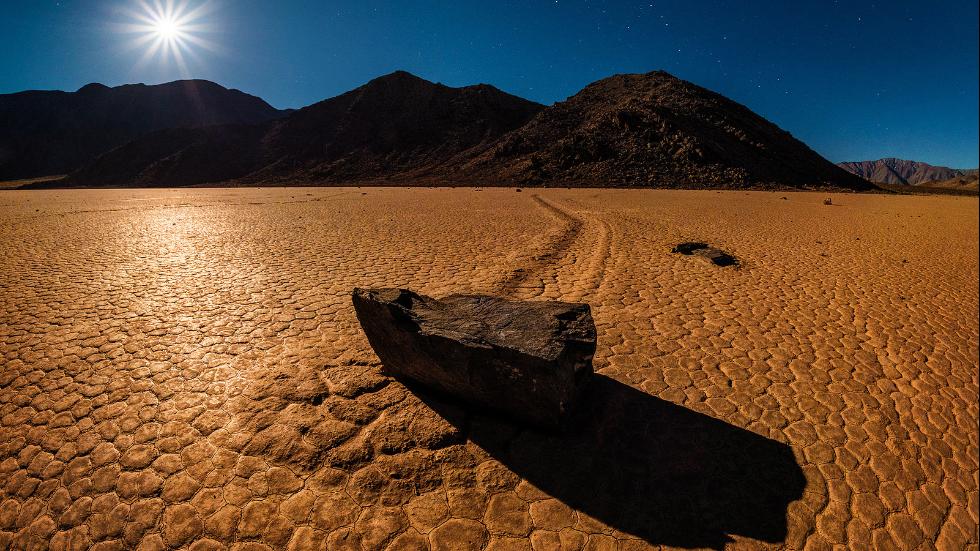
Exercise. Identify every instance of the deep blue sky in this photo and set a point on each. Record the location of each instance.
(855, 80)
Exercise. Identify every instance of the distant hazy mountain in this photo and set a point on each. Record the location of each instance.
(628, 130)
(903, 172)
(968, 180)
(53, 132)
(655, 130)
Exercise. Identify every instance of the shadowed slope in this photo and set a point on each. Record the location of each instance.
(395, 127)
(177, 156)
(391, 125)
(52, 132)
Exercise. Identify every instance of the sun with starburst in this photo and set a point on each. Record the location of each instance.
(169, 30)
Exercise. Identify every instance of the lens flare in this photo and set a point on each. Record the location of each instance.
(169, 31)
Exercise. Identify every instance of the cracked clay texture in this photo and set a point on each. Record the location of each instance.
(182, 369)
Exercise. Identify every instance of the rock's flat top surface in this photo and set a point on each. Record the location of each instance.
(181, 365)
(527, 326)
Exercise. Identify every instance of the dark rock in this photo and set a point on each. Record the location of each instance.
(528, 360)
(689, 247)
(717, 257)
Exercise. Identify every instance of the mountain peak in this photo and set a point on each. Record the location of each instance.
(625, 85)
(92, 87)
(654, 129)
(398, 76)
(657, 75)
(401, 73)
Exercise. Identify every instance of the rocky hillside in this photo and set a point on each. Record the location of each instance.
(903, 172)
(394, 128)
(654, 130)
(53, 132)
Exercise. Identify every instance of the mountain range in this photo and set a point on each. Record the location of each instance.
(637, 130)
(911, 173)
(51, 132)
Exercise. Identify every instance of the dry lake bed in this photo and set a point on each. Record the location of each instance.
(183, 369)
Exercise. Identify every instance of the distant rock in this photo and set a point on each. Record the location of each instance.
(717, 257)
(52, 132)
(909, 173)
(529, 360)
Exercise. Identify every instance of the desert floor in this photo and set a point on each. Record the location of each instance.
(183, 368)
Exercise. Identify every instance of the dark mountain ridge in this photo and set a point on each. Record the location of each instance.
(655, 130)
(393, 128)
(393, 125)
(54, 132)
(646, 130)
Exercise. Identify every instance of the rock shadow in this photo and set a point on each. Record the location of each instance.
(650, 468)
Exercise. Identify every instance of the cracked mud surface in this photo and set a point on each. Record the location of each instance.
(183, 369)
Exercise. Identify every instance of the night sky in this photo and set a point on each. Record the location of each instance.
(855, 80)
